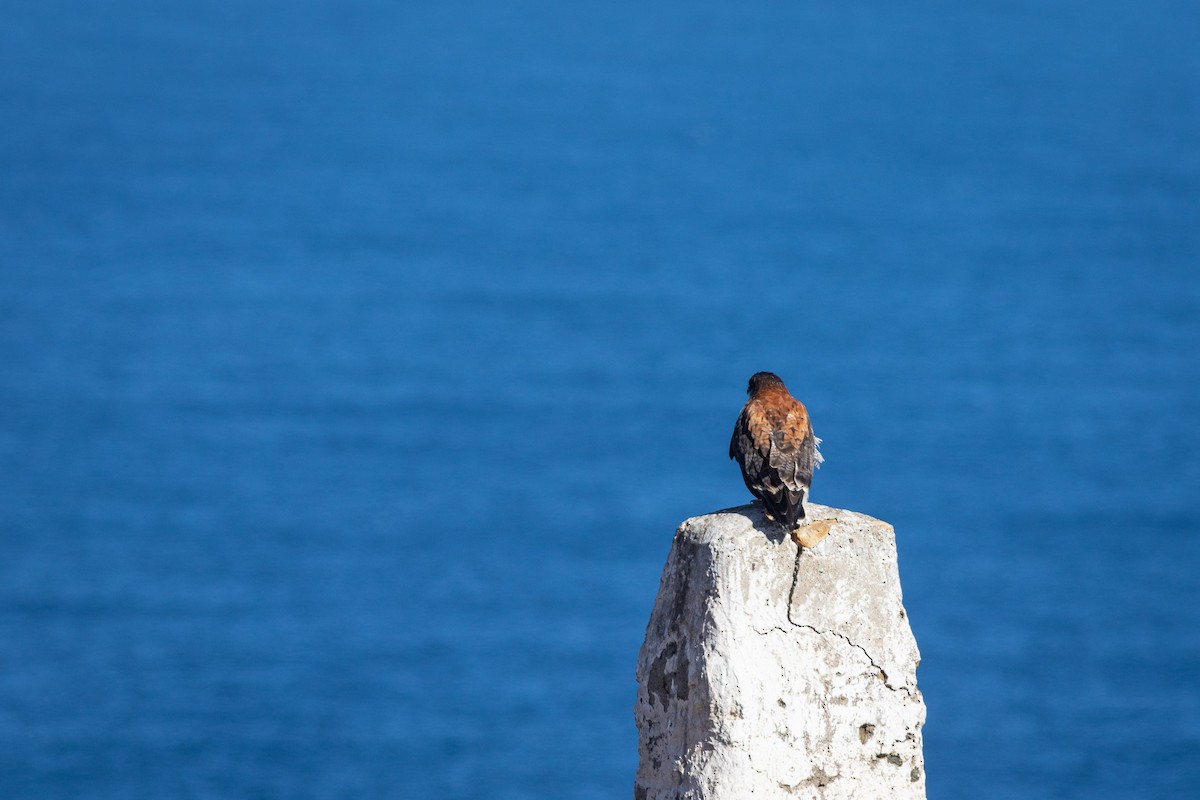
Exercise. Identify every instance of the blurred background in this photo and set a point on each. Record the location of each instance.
(359, 359)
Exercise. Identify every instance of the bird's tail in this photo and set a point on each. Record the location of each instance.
(789, 509)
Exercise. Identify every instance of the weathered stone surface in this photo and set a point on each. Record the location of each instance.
(770, 672)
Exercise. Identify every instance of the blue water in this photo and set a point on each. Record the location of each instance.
(358, 360)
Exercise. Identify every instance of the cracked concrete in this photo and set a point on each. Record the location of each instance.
(774, 671)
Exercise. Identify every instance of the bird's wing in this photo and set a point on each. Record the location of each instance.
(751, 440)
(753, 445)
(793, 450)
(742, 444)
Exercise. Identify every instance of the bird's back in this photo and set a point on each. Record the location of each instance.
(774, 444)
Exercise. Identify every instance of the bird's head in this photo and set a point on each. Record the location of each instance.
(762, 380)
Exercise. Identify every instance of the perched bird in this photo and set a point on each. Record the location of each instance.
(773, 442)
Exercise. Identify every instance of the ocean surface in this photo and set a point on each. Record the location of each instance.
(359, 359)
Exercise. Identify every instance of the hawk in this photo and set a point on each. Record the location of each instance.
(773, 443)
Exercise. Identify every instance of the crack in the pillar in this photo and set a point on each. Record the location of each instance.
(847, 640)
(842, 636)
